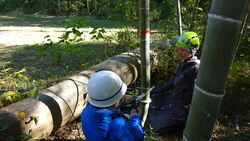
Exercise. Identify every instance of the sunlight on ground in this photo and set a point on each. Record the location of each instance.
(25, 35)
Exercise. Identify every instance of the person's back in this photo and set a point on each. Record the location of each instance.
(110, 124)
(101, 119)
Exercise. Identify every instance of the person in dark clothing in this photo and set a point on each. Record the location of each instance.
(170, 103)
(101, 119)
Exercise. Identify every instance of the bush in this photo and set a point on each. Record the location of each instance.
(237, 98)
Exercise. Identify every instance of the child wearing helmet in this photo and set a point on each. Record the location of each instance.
(170, 103)
(101, 119)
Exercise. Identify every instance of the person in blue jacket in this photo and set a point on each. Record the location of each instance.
(101, 118)
(170, 103)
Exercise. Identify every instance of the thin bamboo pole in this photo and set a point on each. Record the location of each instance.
(223, 29)
(144, 51)
(244, 26)
(88, 6)
(178, 5)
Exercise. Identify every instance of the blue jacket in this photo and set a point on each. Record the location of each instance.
(110, 125)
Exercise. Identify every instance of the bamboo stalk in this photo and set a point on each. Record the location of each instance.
(223, 29)
(144, 51)
(88, 7)
(178, 5)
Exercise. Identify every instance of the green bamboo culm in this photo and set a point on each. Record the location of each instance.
(144, 51)
(223, 29)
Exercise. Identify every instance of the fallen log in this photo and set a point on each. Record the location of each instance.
(62, 102)
(65, 101)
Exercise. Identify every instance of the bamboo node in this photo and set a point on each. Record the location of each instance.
(224, 18)
(208, 93)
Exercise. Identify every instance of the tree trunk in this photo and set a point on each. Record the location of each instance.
(62, 102)
(145, 58)
(223, 28)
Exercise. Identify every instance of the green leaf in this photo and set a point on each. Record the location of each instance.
(7, 95)
(198, 8)
(35, 92)
(34, 117)
(46, 36)
(5, 70)
(92, 32)
(22, 70)
(18, 74)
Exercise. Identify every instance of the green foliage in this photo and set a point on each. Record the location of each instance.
(115, 9)
(97, 33)
(64, 49)
(49, 7)
(237, 95)
(10, 79)
(121, 41)
(125, 40)
(167, 62)
(163, 10)
(11, 82)
(35, 93)
(243, 49)
(194, 16)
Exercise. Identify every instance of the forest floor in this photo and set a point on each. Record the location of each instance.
(18, 32)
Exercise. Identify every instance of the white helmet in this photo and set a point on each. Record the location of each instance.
(105, 88)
